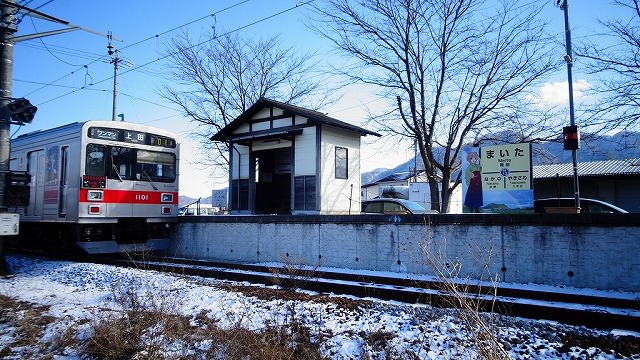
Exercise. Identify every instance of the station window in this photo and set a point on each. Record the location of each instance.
(342, 161)
(240, 194)
(305, 192)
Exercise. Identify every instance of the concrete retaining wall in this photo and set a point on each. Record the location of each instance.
(600, 251)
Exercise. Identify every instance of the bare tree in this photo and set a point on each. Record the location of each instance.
(452, 70)
(613, 56)
(218, 79)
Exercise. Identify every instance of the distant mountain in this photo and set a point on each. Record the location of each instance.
(623, 145)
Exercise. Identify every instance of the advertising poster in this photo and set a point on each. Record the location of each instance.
(219, 198)
(497, 179)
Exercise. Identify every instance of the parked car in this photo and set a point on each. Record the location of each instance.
(588, 206)
(389, 206)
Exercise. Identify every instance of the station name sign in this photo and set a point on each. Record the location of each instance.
(498, 179)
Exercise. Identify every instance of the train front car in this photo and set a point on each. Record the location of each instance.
(102, 186)
(128, 198)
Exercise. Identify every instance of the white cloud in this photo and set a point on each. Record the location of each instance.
(557, 93)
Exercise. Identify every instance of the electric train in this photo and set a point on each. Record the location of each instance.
(101, 186)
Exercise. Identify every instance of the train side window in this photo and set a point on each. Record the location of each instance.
(95, 165)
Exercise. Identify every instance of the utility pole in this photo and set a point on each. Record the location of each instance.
(7, 29)
(571, 133)
(115, 60)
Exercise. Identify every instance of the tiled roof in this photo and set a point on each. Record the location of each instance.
(397, 177)
(589, 168)
(314, 116)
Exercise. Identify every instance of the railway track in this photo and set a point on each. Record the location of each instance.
(597, 310)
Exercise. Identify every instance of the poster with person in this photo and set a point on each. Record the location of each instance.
(497, 179)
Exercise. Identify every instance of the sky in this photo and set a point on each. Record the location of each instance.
(69, 76)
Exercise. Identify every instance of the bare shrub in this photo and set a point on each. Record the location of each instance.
(143, 326)
(147, 327)
(473, 300)
(293, 274)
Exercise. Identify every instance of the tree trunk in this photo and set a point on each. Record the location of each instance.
(434, 193)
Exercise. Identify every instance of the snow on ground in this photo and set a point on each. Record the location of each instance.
(78, 293)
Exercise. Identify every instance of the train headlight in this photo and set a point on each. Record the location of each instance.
(95, 195)
(87, 231)
(166, 198)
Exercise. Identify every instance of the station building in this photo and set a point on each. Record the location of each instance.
(285, 159)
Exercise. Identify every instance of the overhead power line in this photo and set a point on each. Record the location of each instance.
(136, 68)
(105, 58)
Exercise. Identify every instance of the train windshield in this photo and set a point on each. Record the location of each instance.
(155, 166)
(122, 163)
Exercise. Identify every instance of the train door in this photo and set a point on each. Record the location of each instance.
(121, 182)
(36, 169)
(155, 172)
(51, 195)
(64, 181)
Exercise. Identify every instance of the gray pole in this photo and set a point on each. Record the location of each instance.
(569, 59)
(115, 87)
(7, 29)
(115, 60)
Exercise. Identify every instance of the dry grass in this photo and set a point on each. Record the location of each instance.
(147, 328)
(468, 297)
(181, 337)
(29, 323)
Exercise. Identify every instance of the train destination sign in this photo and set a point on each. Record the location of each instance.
(129, 136)
(104, 134)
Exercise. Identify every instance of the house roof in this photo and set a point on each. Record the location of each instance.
(400, 176)
(313, 116)
(588, 169)
(394, 177)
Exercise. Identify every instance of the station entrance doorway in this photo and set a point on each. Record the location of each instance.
(273, 181)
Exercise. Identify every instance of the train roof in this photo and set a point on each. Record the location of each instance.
(106, 123)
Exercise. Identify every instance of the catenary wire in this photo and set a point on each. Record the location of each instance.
(104, 57)
(173, 53)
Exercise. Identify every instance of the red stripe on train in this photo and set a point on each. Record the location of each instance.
(129, 197)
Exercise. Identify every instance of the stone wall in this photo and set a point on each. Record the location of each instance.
(599, 251)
